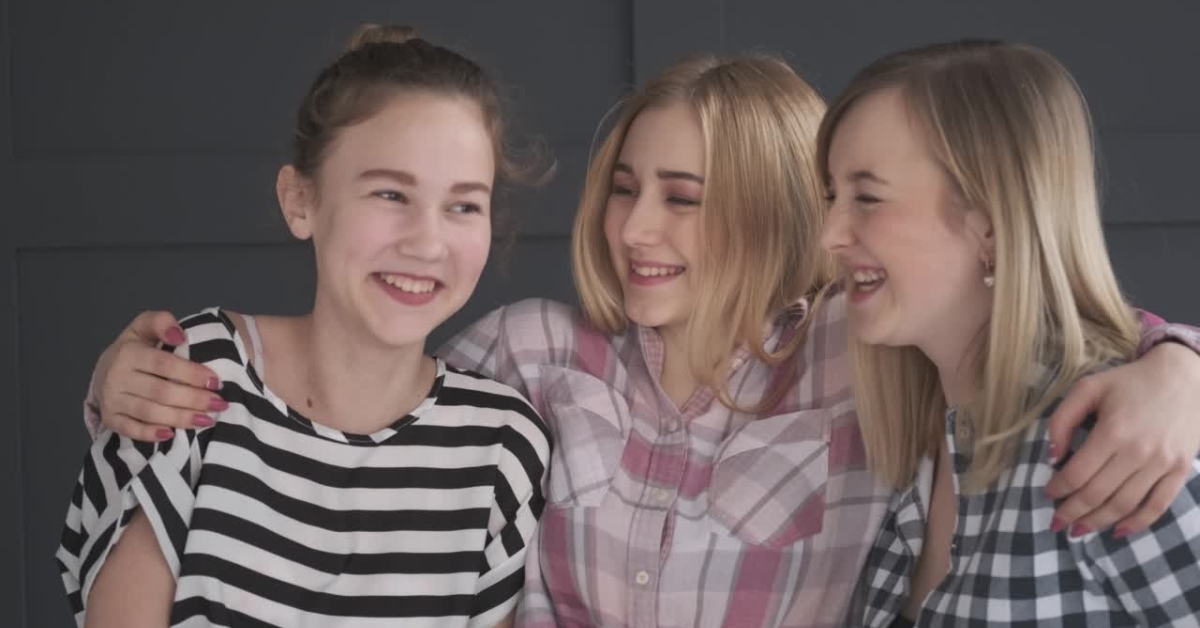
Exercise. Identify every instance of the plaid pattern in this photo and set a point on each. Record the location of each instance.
(1008, 568)
(697, 517)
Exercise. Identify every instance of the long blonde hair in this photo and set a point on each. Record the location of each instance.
(763, 207)
(1012, 130)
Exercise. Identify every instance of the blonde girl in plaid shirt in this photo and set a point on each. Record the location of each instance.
(965, 209)
(708, 468)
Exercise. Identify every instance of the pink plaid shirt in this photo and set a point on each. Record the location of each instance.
(701, 516)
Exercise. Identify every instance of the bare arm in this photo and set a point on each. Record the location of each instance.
(134, 588)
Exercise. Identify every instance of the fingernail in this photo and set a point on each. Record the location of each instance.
(202, 420)
(1053, 451)
(217, 404)
(1057, 524)
(165, 433)
(1080, 529)
(214, 383)
(1121, 532)
(175, 336)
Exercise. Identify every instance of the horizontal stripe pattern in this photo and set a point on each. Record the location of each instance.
(269, 519)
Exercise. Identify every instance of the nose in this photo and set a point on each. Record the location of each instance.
(422, 236)
(836, 234)
(643, 225)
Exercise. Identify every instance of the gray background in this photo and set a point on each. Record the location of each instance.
(139, 141)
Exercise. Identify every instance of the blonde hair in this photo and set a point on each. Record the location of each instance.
(1012, 130)
(763, 206)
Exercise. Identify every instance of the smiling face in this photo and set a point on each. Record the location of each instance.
(912, 254)
(399, 215)
(652, 218)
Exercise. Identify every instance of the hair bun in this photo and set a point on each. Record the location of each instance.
(381, 34)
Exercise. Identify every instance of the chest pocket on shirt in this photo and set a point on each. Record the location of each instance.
(768, 483)
(586, 416)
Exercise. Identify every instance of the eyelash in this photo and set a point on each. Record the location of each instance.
(391, 195)
(865, 199)
(674, 199)
(469, 208)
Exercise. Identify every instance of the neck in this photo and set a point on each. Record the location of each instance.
(955, 356)
(351, 381)
(676, 379)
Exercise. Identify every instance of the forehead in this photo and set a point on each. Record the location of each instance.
(876, 133)
(434, 137)
(665, 136)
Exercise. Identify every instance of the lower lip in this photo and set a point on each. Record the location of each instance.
(861, 295)
(407, 298)
(656, 280)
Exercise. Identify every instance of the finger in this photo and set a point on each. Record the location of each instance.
(157, 415)
(169, 366)
(1089, 489)
(1097, 450)
(132, 428)
(1119, 491)
(1154, 506)
(170, 393)
(1081, 400)
(157, 326)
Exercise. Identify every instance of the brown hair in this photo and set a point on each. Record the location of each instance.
(379, 61)
(763, 208)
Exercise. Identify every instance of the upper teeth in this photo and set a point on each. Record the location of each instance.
(656, 271)
(869, 276)
(409, 285)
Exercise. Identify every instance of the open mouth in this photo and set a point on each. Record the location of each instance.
(865, 282)
(408, 289)
(644, 274)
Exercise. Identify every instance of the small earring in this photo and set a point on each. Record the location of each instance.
(989, 279)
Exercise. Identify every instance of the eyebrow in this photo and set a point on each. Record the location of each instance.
(663, 174)
(867, 175)
(407, 178)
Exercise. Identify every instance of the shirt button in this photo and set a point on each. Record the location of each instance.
(672, 426)
(641, 578)
(661, 495)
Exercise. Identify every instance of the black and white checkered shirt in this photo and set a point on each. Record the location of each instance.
(1007, 568)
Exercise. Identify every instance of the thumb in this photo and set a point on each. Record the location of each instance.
(153, 327)
(1081, 401)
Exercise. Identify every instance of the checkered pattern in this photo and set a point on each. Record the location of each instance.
(1009, 569)
(693, 517)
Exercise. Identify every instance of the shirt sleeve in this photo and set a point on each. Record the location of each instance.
(512, 527)
(120, 476)
(1156, 331)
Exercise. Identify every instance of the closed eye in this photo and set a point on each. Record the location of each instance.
(620, 190)
(866, 199)
(682, 200)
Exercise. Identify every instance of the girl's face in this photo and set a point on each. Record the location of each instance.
(399, 216)
(913, 256)
(652, 220)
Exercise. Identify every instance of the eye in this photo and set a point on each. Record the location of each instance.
(866, 199)
(466, 208)
(390, 195)
(620, 190)
(684, 201)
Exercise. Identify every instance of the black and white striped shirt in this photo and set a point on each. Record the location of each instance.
(268, 519)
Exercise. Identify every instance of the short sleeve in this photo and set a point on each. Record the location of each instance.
(518, 505)
(1156, 331)
(121, 475)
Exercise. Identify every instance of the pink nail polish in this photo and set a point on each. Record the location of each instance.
(1121, 532)
(1053, 453)
(175, 336)
(202, 420)
(164, 433)
(1057, 524)
(217, 404)
(214, 384)
(1080, 529)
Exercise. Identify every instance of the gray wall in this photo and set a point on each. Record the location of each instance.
(138, 143)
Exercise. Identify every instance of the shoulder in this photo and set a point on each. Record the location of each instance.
(210, 336)
(509, 409)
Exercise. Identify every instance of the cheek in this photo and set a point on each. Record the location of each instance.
(471, 246)
(615, 214)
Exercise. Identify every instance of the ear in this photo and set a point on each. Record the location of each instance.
(979, 225)
(297, 201)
